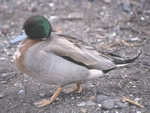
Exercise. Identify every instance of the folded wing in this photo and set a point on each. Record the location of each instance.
(76, 50)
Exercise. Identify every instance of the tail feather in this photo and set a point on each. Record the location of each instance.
(120, 62)
(123, 61)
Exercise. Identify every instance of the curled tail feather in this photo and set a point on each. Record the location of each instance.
(120, 62)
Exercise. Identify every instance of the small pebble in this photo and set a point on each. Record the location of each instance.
(139, 9)
(126, 7)
(148, 62)
(5, 29)
(101, 98)
(21, 91)
(1, 95)
(51, 4)
(3, 82)
(107, 1)
(4, 75)
(108, 104)
(42, 94)
(92, 99)
(9, 53)
(72, 98)
(53, 18)
(142, 18)
(75, 16)
(83, 110)
(89, 103)
(137, 99)
(2, 58)
(81, 104)
(34, 9)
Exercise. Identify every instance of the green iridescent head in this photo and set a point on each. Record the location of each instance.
(36, 28)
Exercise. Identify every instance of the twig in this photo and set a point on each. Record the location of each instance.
(132, 102)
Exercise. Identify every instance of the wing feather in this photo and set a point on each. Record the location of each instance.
(64, 45)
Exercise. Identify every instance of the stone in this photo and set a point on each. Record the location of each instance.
(108, 104)
(101, 98)
(121, 104)
(1, 95)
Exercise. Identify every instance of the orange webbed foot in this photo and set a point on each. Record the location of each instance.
(78, 88)
(42, 103)
(45, 102)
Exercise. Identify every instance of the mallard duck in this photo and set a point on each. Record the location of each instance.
(59, 59)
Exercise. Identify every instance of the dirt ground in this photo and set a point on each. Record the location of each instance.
(118, 26)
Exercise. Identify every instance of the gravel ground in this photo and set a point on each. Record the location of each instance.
(118, 26)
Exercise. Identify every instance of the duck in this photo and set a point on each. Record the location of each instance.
(60, 59)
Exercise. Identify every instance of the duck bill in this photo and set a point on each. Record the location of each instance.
(21, 37)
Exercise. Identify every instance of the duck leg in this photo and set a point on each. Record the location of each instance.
(78, 88)
(45, 102)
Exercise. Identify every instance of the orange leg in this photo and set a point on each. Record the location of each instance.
(78, 88)
(45, 102)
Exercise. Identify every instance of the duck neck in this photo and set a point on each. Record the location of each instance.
(20, 53)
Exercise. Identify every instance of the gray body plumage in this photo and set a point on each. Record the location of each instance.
(45, 61)
(52, 69)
